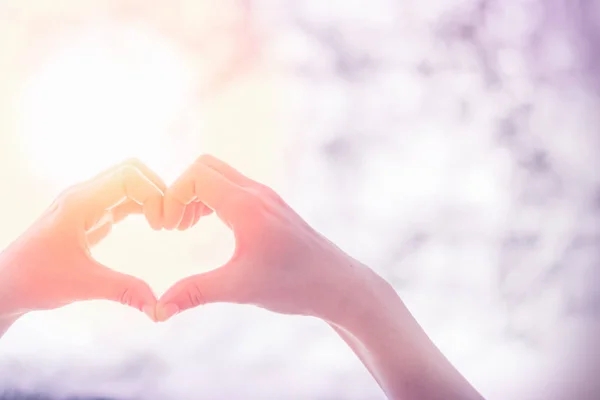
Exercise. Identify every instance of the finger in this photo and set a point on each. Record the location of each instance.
(96, 235)
(125, 209)
(240, 179)
(202, 183)
(215, 286)
(227, 170)
(200, 211)
(188, 217)
(134, 162)
(154, 206)
(122, 184)
(153, 210)
(150, 174)
(103, 283)
(204, 209)
(173, 211)
(115, 215)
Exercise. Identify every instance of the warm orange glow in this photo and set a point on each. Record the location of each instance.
(119, 91)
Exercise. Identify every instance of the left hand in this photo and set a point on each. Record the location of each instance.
(51, 266)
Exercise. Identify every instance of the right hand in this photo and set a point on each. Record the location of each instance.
(280, 263)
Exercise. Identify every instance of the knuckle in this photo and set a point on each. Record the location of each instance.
(128, 172)
(195, 296)
(129, 178)
(133, 294)
(125, 297)
(204, 159)
(133, 161)
(271, 193)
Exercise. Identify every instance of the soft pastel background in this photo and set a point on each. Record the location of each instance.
(450, 145)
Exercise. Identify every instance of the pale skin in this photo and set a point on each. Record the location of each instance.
(280, 264)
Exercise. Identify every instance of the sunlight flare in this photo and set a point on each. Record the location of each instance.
(104, 96)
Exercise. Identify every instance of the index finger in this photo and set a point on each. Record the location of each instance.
(136, 163)
(202, 183)
(126, 182)
(152, 208)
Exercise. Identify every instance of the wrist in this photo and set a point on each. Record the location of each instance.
(366, 298)
(10, 292)
(393, 342)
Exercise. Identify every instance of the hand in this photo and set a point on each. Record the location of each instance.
(50, 265)
(280, 263)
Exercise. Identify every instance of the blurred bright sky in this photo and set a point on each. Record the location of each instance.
(113, 90)
(448, 145)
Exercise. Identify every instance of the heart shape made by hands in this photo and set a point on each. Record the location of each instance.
(279, 262)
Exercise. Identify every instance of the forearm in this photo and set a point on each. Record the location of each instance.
(360, 351)
(8, 311)
(397, 352)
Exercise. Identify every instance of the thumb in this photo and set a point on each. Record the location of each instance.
(216, 286)
(108, 284)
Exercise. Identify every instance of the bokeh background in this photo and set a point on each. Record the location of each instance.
(450, 145)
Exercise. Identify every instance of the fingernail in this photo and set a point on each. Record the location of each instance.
(165, 312)
(150, 312)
